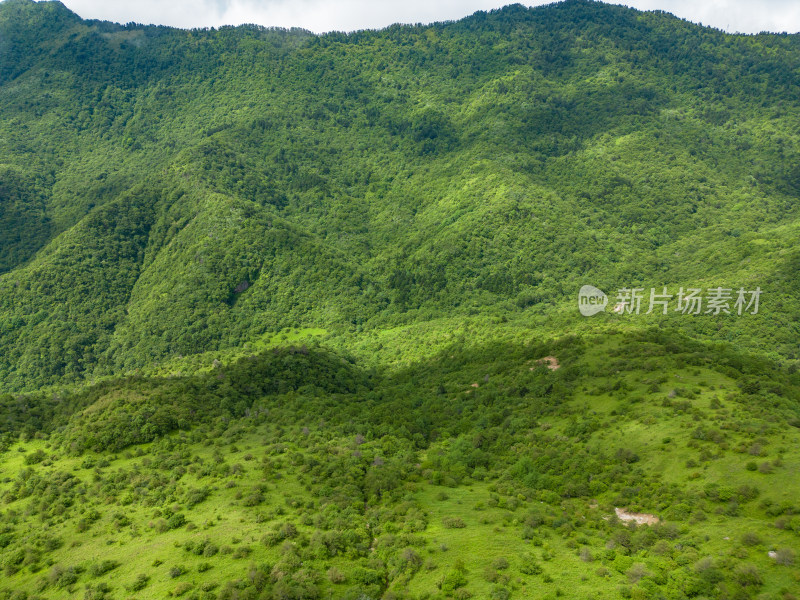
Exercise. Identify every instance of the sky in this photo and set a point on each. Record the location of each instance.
(745, 16)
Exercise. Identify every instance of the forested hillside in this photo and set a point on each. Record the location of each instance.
(480, 472)
(170, 192)
(290, 316)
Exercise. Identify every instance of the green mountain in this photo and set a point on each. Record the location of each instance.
(489, 166)
(295, 316)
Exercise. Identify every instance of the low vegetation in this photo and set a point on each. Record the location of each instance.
(298, 474)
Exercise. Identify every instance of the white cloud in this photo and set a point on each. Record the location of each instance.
(749, 16)
(745, 16)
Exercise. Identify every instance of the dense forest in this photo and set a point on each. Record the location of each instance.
(293, 316)
(169, 192)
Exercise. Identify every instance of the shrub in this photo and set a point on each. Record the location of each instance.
(35, 457)
(176, 520)
(453, 580)
(366, 576)
(637, 572)
(500, 593)
(453, 523)
(182, 588)
(61, 577)
(97, 592)
(335, 575)
(785, 556)
(139, 583)
(529, 565)
(101, 568)
(748, 575)
(751, 538)
(500, 563)
(176, 571)
(271, 538)
(288, 531)
(196, 496)
(411, 558)
(253, 499)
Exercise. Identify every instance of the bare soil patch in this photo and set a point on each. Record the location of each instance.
(639, 518)
(550, 361)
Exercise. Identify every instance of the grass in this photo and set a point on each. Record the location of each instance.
(686, 427)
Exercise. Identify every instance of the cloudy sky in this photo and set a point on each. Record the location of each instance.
(749, 16)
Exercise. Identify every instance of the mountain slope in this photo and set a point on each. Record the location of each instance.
(288, 316)
(489, 165)
(480, 472)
